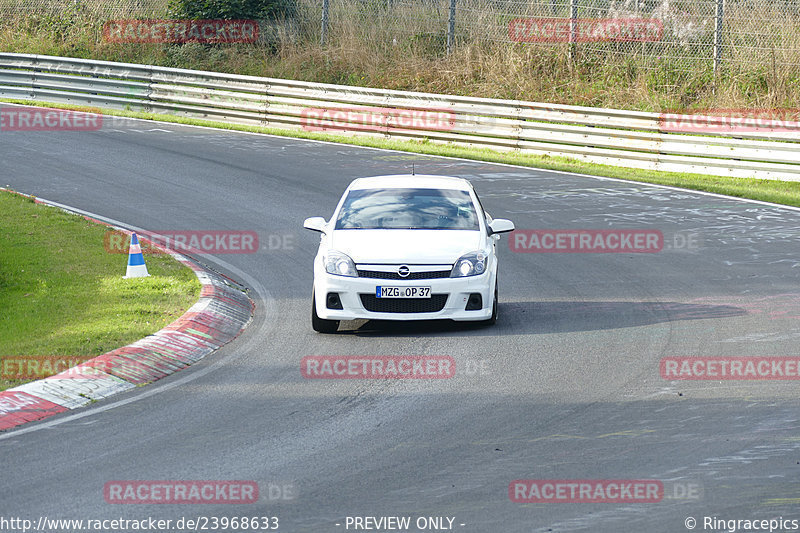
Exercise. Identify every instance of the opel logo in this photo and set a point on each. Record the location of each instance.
(403, 271)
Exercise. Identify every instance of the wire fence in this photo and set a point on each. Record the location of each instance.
(681, 32)
(102, 9)
(684, 34)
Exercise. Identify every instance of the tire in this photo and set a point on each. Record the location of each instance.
(493, 320)
(321, 325)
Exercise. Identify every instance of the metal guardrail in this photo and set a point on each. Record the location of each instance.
(609, 136)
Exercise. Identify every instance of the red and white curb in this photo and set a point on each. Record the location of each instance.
(221, 313)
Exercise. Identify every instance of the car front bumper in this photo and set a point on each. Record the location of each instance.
(351, 289)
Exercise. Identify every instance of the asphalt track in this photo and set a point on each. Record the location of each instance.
(568, 385)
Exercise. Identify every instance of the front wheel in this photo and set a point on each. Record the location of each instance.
(321, 325)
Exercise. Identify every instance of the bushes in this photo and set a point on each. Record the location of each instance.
(275, 17)
(233, 9)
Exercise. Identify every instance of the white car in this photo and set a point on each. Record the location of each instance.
(406, 248)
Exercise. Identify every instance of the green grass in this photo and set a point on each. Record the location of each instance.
(775, 191)
(61, 293)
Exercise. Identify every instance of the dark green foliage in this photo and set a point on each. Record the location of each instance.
(233, 9)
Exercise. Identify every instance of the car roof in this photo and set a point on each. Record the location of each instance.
(421, 181)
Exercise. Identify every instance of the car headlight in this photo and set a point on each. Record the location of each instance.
(471, 264)
(339, 264)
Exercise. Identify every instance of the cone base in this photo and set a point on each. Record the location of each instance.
(138, 271)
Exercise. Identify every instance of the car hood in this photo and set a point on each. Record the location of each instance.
(405, 246)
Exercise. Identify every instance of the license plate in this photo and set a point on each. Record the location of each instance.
(402, 292)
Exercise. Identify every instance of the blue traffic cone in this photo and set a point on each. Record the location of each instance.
(136, 266)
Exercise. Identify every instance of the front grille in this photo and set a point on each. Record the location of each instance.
(436, 274)
(404, 305)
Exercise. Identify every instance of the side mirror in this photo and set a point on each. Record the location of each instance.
(315, 224)
(500, 225)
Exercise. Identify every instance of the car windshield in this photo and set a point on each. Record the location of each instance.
(408, 209)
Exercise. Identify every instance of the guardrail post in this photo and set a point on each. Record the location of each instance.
(718, 35)
(324, 32)
(451, 28)
(573, 28)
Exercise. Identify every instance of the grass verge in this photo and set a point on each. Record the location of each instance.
(779, 192)
(62, 294)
